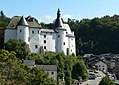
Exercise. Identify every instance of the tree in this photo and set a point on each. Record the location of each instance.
(2, 14)
(19, 47)
(38, 77)
(79, 70)
(12, 72)
(106, 81)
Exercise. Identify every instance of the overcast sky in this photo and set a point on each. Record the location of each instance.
(45, 10)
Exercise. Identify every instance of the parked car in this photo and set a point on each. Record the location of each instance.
(92, 76)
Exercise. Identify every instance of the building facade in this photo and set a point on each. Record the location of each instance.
(59, 38)
(51, 70)
(101, 66)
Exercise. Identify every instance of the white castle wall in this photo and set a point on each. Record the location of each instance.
(61, 41)
(35, 40)
(48, 41)
(9, 34)
(23, 33)
(71, 45)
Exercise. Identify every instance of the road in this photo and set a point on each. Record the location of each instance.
(95, 81)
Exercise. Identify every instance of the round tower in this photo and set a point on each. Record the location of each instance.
(23, 30)
(60, 34)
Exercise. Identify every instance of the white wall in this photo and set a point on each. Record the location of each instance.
(34, 36)
(35, 39)
(50, 41)
(101, 66)
(61, 41)
(53, 76)
(10, 34)
(23, 33)
(72, 47)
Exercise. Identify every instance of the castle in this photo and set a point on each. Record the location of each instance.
(40, 40)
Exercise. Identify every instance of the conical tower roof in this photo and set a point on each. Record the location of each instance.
(22, 22)
(58, 22)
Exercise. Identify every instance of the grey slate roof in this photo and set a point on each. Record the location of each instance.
(13, 22)
(58, 22)
(47, 30)
(47, 67)
(32, 22)
(29, 62)
(22, 22)
(69, 35)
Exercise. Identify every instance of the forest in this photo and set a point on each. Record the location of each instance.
(95, 36)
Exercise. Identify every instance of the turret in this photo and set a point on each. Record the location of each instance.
(58, 22)
(61, 34)
(23, 30)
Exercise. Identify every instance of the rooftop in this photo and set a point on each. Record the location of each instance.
(18, 20)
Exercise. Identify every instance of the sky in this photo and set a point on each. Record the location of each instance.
(45, 10)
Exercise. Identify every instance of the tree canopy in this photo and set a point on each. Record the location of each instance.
(96, 36)
(19, 47)
(65, 65)
(106, 81)
(12, 72)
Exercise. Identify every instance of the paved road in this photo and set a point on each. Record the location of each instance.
(95, 81)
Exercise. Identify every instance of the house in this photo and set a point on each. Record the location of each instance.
(51, 70)
(101, 65)
(30, 63)
(59, 38)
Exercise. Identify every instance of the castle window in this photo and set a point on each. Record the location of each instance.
(20, 30)
(36, 46)
(38, 32)
(44, 47)
(44, 36)
(52, 73)
(71, 38)
(44, 41)
(32, 32)
(64, 43)
(58, 36)
(66, 32)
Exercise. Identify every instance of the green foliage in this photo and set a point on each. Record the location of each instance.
(97, 36)
(64, 63)
(79, 70)
(38, 77)
(12, 72)
(3, 23)
(3, 20)
(19, 47)
(106, 81)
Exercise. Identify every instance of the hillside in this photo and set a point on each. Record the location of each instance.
(97, 36)
(3, 23)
